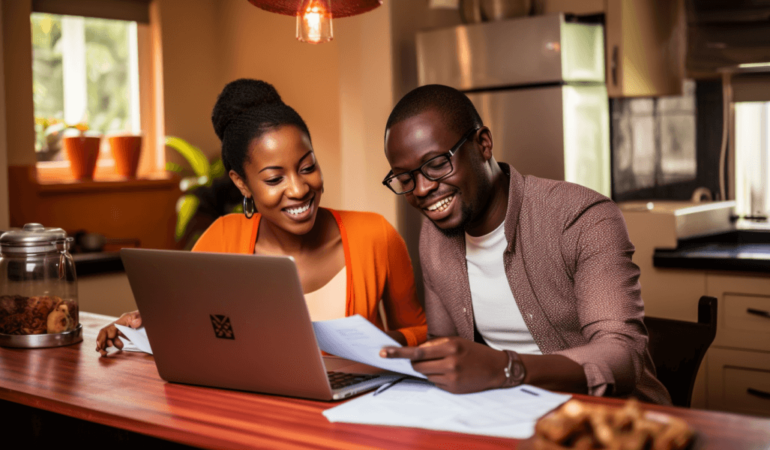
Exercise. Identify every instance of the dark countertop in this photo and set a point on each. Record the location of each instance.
(97, 263)
(740, 251)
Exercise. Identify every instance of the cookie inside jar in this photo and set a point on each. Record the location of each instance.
(20, 315)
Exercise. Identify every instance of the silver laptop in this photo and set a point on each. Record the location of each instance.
(237, 322)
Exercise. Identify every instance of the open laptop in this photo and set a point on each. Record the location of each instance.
(237, 322)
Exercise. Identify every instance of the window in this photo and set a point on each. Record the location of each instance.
(750, 94)
(654, 143)
(85, 73)
(96, 65)
(752, 159)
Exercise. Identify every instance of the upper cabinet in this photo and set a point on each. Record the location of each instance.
(645, 47)
(645, 43)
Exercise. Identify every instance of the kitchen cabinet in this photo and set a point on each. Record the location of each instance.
(579, 7)
(738, 368)
(644, 43)
(735, 374)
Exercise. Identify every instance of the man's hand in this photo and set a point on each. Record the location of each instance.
(455, 364)
(110, 336)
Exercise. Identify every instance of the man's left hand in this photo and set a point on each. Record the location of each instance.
(455, 364)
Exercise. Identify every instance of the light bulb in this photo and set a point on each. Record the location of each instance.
(314, 21)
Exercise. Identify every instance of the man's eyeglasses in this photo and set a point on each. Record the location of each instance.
(433, 169)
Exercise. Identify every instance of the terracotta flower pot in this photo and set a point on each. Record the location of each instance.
(126, 151)
(82, 152)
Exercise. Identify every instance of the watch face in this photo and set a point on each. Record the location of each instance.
(519, 372)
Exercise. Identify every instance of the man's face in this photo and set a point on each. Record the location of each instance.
(450, 202)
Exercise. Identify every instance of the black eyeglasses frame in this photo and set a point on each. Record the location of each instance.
(448, 155)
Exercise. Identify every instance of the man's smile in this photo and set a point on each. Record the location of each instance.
(440, 205)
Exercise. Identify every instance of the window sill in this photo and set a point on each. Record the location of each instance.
(47, 184)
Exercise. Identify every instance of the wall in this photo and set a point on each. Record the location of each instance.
(191, 71)
(366, 99)
(17, 62)
(4, 206)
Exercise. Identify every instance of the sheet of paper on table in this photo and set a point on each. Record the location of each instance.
(509, 413)
(137, 339)
(357, 339)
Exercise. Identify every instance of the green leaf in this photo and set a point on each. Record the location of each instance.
(186, 207)
(217, 168)
(174, 167)
(197, 159)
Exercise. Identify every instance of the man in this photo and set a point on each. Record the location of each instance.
(527, 280)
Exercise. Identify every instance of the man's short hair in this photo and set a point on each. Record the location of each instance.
(455, 107)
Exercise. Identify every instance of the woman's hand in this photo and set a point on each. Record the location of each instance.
(110, 335)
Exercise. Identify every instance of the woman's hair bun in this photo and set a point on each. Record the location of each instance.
(240, 96)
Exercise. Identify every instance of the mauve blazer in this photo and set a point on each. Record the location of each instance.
(568, 263)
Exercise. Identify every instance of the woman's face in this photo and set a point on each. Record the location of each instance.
(283, 178)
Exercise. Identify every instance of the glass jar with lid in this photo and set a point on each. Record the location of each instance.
(38, 289)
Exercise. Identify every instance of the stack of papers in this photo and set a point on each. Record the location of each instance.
(509, 413)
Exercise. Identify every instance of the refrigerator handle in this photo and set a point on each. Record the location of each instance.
(614, 65)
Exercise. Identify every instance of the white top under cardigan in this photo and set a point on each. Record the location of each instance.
(497, 316)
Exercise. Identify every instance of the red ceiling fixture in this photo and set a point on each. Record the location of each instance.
(314, 17)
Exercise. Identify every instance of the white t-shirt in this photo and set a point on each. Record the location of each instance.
(497, 316)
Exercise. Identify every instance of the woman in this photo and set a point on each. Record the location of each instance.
(347, 261)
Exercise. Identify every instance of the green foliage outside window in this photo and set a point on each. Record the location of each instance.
(107, 83)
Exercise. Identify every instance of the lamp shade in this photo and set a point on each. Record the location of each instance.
(340, 8)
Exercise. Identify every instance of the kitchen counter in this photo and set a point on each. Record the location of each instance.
(97, 263)
(739, 250)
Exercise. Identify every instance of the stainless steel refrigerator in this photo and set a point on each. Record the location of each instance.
(538, 84)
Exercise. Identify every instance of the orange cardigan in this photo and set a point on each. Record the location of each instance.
(378, 266)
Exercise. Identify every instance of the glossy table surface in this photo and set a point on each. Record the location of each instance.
(124, 391)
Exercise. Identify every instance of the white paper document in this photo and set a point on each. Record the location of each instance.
(137, 339)
(509, 413)
(357, 339)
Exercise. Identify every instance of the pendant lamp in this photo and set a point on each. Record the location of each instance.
(314, 17)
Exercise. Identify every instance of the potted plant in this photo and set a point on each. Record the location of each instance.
(50, 131)
(207, 192)
(80, 147)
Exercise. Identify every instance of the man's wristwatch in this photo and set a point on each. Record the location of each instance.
(515, 372)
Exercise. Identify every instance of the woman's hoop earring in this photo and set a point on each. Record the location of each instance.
(248, 207)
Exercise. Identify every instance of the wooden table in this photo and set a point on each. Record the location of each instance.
(124, 392)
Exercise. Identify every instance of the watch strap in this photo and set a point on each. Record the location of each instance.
(515, 372)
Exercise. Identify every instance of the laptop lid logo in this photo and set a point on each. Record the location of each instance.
(222, 326)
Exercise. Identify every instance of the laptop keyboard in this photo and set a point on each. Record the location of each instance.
(339, 380)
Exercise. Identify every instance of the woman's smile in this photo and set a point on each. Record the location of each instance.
(300, 212)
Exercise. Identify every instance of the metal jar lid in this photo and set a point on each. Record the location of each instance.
(34, 238)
